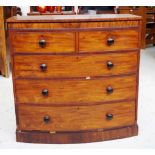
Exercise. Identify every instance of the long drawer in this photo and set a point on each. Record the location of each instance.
(43, 42)
(75, 91)
(46, 66)
(75, 118)
(110, 40)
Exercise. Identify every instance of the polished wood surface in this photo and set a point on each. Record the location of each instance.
(3, 43)
(140, 11)
(73, 18)
(81, 84)
(71, 26)
(93, 65)
(29, 42)
(148, 22)
(76, 118)
(90, 41)
(74, 92)
(76, 137)
(5, 13)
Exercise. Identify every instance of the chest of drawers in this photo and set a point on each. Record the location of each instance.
(75, 77)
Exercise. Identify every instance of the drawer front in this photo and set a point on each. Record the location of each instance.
(43, 42)
(45, 66)
(75, 118)
(130, 11)
(75, 91)
(108, 40)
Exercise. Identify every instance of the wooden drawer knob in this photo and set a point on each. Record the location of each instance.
(110, 65)
(45, 92)
(42, 43)
(110, 41)
(109, 116)
(43, 67)
(109, 90)
(46, 119)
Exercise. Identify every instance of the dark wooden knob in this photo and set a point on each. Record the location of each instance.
(118, 11)
(109, 90)
(110, 41)
(45, 92)
(42, 43)
(109, 116)
(110, 65)
(46, 119)
(43, 67)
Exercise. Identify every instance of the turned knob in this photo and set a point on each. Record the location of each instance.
(110, 41)
(109, 90)
(109, 116)
(110, 65)
(42, 43)
(45, 92)
(46, 119)
(43, 67)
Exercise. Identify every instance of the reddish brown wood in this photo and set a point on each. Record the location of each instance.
(76, 137)
(76, 118)
(80, 25)
(73, 92)
(73, 18)
(3, 42)
(138, 65)
(29, 42)
(26, 66)
(123, 39)
(77, 85)
(141, 11)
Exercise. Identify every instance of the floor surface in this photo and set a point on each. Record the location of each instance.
(146, 113)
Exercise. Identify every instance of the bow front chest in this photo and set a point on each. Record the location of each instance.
(75, 77)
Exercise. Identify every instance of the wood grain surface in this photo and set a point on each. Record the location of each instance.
(82, 65)
(76, 118)
(76, 97)
(123, 39)
(74, 92)
(73, 18)
(29, 42)
(74, 25)
(3, 44)
(76, 137)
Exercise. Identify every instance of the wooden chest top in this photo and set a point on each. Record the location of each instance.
(73, 18)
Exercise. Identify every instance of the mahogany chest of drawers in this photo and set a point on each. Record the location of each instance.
(75, 77)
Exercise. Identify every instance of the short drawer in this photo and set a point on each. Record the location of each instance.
(130, 11)
(43, 42)
(45, 66)
(75, 91)
(75, 118)
(100, 41)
